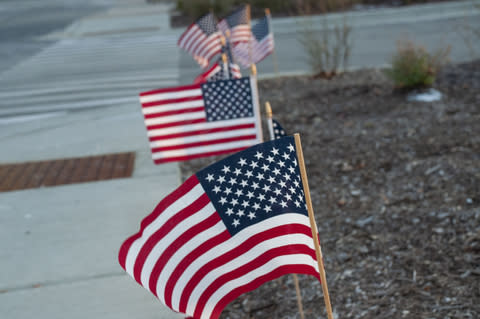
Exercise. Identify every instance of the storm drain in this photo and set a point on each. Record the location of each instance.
(65, 171)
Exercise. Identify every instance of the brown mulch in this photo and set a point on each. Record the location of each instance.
(396, 191)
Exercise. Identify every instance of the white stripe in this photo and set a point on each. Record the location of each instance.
(199, 126)
(153, 97)
(190, 33)
(208, 48)
(205, 149)
(230, 244)
(258, 272)
(171, 107)
(176, 118)
(202, 137)
(176, 206)
(179, 229)
(182, 252)
(196, 42)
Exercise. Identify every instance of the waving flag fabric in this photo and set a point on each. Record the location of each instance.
(227, 230)
(201, 120)
(202, 39)
(219, 71)
(260, 46)
(278, 131)
(238, 23)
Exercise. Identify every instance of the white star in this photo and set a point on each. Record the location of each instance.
(282, 183)
(268, 208)
(249, 174)
(283, 204)
(225, 169)
(221, 179)
(297, 203)
(291, 148)
(242, 162)
(276, 171)
(216, 189)
(286, 156)
(295, 162)
(232, 181)
(272, 200)
(256, 206)
(296, 183)
(227, 190)
(271, 179)
(258, 155)
(237, 171)
(209, 177)
(234, 201)
(261, 197)
(288, 197)
(287, 177)
(240, 213)
(291, 169)
(255, 185)
(236, 222)
(253, 164)
(281, 163)
(292, 189)
(229, 212)
(245, 204)
(265, 167)
(223, 200)
(266, 188)
(239, 192)
(260, 176)
(251, 215)
(274, 151)
(244, 183)
(277, 192)
(250, 195)
(270, 159)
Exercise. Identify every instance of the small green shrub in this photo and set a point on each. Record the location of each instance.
(414, 67)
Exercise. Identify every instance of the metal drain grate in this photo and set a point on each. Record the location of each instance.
(65, 171)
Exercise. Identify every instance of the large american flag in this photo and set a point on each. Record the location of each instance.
(260, 46)
(201, 120)
(238, 23)
(227, 230)
(202, 39)
(220, 71)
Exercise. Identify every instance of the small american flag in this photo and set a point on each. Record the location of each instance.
(260, 46)
(227, 230)
(278, 131)
(201, 120)
(238, 23)
(202, 39)
(220, 71)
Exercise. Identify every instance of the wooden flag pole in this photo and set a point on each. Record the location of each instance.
(268, 110)
(313, 225)
(253, 69)
(274, 55)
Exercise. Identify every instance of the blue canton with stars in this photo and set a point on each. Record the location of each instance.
(255, 184)
(228, 99)
(207, 23)
(261, 29)
(278, 131)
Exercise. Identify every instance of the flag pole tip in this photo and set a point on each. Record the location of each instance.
(267, 11)
(268, 109)
(253, 69)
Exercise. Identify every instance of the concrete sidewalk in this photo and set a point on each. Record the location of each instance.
(59, 245)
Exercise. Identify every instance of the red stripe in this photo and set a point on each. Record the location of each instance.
(171, 124)
(177, 244)
(191, 257)
(203, 143)
(185, 33)
(201, 46)
(278, 272)
(248, 267)
(160, 233)
(205, 131)
(171, 89)
(175, 112)
(193, 156)
(171, 101)
(237, 251)
(192, 49)
(187, 186)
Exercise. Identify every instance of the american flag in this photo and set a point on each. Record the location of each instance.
(201, 120)
(238, 23)
(202, 39)
(227, 230)
(278, 131)
(220, 71)
(260, 46)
